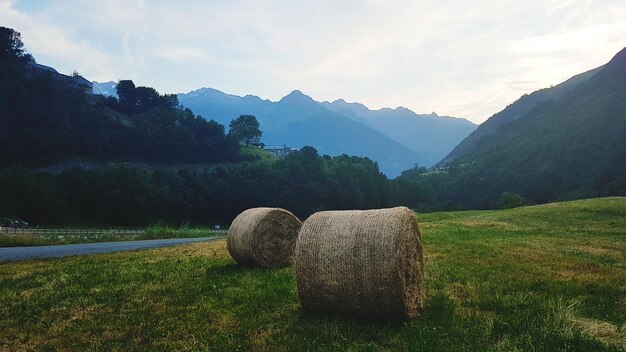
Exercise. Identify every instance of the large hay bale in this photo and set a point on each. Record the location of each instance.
(263, 237)
(366, 262)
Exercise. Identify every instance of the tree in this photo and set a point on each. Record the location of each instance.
(245, 129)
(146, 98)
(509, 200)
(135, 100)
(126, 95)
(11, 46)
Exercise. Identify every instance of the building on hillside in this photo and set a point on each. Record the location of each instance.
(74, 80)
(280, 151)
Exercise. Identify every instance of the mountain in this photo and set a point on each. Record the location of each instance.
(564, 142)
(519, 108)
(397, 139)
(297, 120)
(106, 88)
(432, 136)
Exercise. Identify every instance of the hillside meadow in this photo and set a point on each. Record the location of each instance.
(540, 278)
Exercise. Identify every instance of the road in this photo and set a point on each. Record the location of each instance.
(65, 250)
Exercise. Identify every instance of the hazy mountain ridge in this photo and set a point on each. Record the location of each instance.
(430, 135)
(297, 120)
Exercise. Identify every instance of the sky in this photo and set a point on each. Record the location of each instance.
(460, 58)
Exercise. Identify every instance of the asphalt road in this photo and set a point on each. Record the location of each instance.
(65, 250)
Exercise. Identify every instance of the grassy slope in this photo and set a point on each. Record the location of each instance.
(542, 278)
(256, 153)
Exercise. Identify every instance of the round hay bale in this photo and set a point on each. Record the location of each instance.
(361, 262)
(263, 237)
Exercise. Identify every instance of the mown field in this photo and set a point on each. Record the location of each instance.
(541, 278)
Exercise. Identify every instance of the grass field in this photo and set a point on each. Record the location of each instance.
(541, 278)
(72, 236)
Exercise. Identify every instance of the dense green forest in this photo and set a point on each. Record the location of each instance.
(120, 194)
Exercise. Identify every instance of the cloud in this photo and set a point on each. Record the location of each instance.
(52, 45)
(523, 86)
(183, 55)
(467, 59)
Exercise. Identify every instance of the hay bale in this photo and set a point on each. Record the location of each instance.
(263, 237)
(367, 263)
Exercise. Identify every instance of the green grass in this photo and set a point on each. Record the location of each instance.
(160, 231)
(256, 153)
(541, 278)
(150, 233)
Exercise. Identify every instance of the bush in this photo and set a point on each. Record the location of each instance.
(510, 200)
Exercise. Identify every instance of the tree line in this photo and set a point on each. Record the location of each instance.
(122, 194)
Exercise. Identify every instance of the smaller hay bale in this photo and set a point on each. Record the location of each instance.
(361, 262)
(263, 237)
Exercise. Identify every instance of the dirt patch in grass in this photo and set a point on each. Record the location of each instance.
(460, 293)
(602, 251)
(602, 330)
(531, 254)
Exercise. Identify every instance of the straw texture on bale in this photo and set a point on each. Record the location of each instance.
(263, 237)
(361, 262)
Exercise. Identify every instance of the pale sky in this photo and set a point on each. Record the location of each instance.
(461, 58)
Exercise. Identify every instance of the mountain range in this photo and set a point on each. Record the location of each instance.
(432, 136)
(397, 138)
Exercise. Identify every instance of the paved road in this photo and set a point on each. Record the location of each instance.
(64, 250)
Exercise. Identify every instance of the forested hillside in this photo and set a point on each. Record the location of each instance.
(520, 108)
(566, 142)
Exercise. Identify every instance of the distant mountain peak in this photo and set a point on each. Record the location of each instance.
(296, 96)
(207, 90)
(403, 109)
(343, 102)
(201, 91)
(296, 93)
